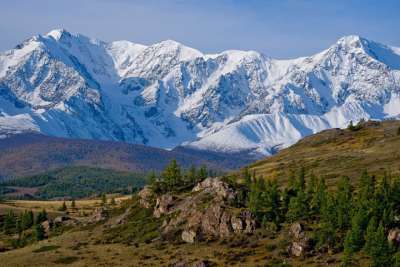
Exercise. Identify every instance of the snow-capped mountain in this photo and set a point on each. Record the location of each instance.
(167, 94)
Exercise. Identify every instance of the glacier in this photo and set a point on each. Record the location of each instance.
(167, 94)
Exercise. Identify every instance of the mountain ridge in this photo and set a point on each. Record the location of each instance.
(168, 95)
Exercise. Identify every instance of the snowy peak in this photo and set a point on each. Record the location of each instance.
(167, 94)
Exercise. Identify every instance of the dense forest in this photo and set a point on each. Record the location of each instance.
(78, 182)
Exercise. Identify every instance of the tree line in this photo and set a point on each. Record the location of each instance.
(349, 218)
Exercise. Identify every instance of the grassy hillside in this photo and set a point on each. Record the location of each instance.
(374, 146)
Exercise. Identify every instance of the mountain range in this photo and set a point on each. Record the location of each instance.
(168, 95)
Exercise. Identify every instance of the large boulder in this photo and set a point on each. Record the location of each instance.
(146, 197)
(163, 205)
(47, 225)
(296, 249)
(190, 236)
(216, 185)
(297, 230)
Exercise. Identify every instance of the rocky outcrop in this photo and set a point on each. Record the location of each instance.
(146, 197)
(301, 243)
(190, 236)
(297, 230)
(394, 236)
(163, 205)
(205, 214)
(99, 214)
(299, 248)
(217, 186)
(47, 225)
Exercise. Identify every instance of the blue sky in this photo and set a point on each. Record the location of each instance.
(278, 28)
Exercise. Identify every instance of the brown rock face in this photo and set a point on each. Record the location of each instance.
(215, 185)
(190, 236)
(297, 230)
(163, 205)
(47, 225)
(146, 196)
(297, 249)
(394, 236)
(205, 214)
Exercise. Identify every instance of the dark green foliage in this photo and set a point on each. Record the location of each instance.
(39, 232)
(298, 207)
(377, 246)
(344, 203)
(78, 182)
(46, 248)
(398, 131)
(41, 217)
(172, 175)
(66, 260)
(9, 224)
(27, 220)
(73, 205)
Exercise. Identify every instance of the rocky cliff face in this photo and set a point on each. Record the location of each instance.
(206, 213)
(168, 94)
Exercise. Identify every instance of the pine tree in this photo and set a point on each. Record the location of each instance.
(344, 203)
(192, 175)
(377, 246)
(73, 205)
(39, 232)
(370, 235)
(172, 175)
(27, 220)
(298, 207)
(9, 222)
(318, 197)
(202, 173)
(354, 240)
(270, 202)
(41, 217)
(327, 234)
(112, 202)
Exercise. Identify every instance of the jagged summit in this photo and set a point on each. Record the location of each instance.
(168, 94)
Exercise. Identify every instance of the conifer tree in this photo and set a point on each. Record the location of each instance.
(344, 203)
(27, 220)
(318, 197)
(172, 175)
(377, 246)
(39, 232)
(327, 232)
(73, 205)
(9, 222)
(41, 217)
(112, 202)
(354, 240)
(298, 207)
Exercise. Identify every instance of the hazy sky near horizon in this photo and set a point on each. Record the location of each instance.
(278, 28)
